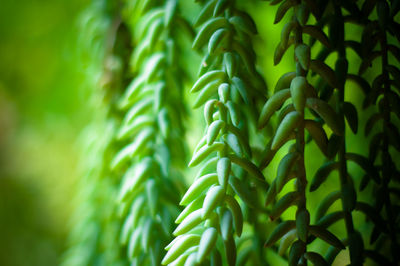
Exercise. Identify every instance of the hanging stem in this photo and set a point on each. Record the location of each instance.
(386, 157)
(301, 181)
(343, 173)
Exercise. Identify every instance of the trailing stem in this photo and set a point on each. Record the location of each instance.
(345, 182)
(301, 180)
(387, 162)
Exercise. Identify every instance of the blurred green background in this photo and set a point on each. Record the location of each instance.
(41, 115)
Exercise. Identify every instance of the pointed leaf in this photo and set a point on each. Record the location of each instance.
(287, 126)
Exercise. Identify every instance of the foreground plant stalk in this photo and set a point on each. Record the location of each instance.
(227, 90)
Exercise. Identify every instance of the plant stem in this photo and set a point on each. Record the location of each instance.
(386, 158)
(300, 142)
(343, 173)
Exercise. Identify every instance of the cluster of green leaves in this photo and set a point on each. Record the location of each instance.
(381, 36)
(227, 88)
(319, 100)
(230, 209)
(305, 111)
(150, 132)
